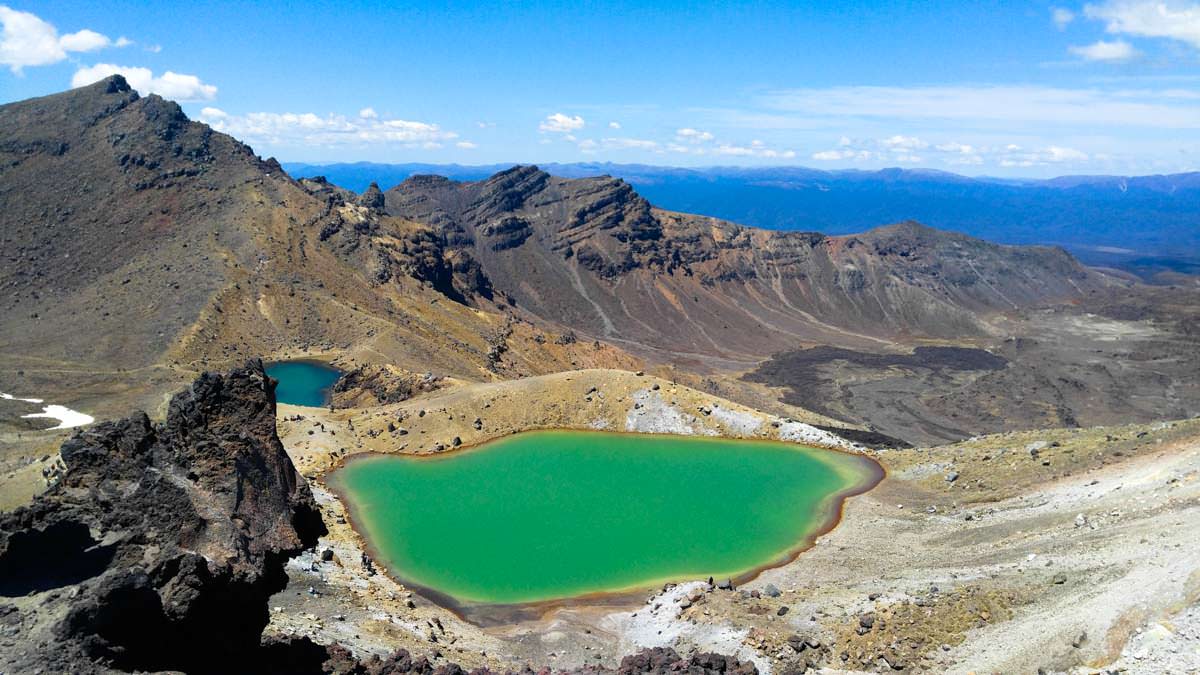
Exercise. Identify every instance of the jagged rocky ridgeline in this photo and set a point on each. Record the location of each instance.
(227, 256)
(161, 545)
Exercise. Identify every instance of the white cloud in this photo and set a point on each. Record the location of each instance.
(1015, 156)
(330, 130)
(591, 146)
(466, 145)
(755, 149)
(561, 124)
(154, 49)
(900, 150)
(614, 125)
(368, 113)
(27, 40)
(843, 154)
(1170, 19)
(901, 143)
(997, 104)
(690, 135)
(1061, 17)
(84, 41)
(960, 153)
(1102, 50)
(175, 86)
(124, 42)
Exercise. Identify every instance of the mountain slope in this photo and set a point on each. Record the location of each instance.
(593, 253)
(140, 247)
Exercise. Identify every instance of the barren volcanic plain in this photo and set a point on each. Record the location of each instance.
(1035, 419)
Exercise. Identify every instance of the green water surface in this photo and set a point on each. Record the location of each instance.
(305, 383)
(555, 514)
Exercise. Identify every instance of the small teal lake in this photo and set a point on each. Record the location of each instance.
(306, 383)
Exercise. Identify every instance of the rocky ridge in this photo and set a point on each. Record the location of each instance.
(591, 252)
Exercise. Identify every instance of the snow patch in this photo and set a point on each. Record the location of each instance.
(66, 417)
(10, 397)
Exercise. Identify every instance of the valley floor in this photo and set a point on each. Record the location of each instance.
(1068, 550)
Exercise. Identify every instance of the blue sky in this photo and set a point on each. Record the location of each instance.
(996, 88)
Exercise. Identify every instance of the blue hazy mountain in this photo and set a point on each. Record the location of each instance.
(1150, 223)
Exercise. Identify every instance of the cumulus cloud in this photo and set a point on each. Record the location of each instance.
(175, 86)
(1171, 19)
(329, 130)
(466, 145)
(1061, 17)
(1102, 50)
(368, 113)
(28, 40)
(561, 124)
(614, 125)
(84, 41)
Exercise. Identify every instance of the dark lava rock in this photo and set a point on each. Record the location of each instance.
(172, 537)
(660, 660)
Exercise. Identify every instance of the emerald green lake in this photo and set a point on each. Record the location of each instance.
(306, 383)
(555, 514)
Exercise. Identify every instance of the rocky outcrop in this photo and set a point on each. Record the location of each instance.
(372, 198)
(374, 385)
(336, 660)
(662, 660)
(160, 546)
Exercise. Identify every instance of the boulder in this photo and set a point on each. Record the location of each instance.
(170, 537)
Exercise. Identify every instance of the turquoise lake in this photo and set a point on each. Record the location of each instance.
(306, 383)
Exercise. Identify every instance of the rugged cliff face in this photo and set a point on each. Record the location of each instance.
(591, 252)
(160, 546)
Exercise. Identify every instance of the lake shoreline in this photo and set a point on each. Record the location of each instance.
(827, 515)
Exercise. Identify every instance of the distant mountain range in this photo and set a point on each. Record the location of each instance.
(1147, 224)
